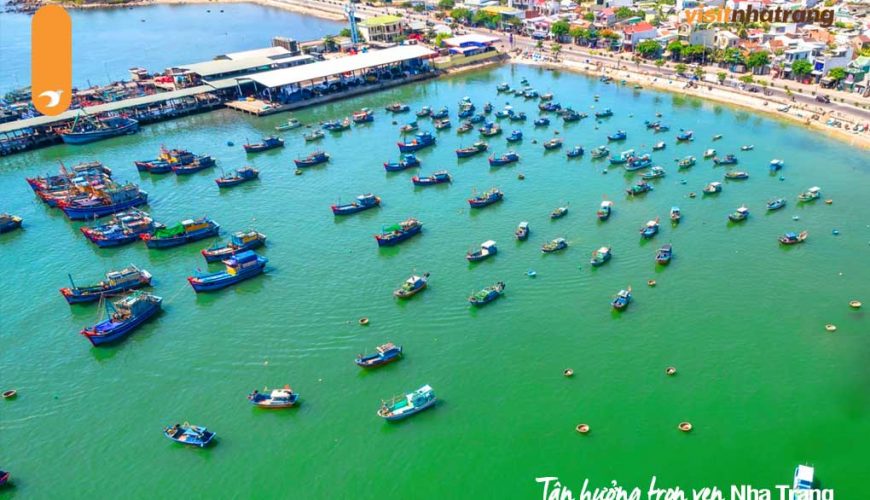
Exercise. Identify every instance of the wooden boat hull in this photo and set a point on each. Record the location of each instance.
(182, 239)
(352, 209)
(119, 332)
(377, 360)
(402, 416)
(219, 254)
(395, 240)
(119, 126)
(90, 212)
(93, 294)
(222, 279)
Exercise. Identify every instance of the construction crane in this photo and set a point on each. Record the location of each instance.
(350, 10)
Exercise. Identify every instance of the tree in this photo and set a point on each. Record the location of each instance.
(837, 74)
(648, 48)
(576, 33)
(624, 13)
(460, 14)
(676, 49)
(801, 68)
(345, 32)
(555, 49)
(487, 19)
(694, 52)
(329, 43)
(440, 37)
(589, 16)
(699, 73)
(721, 76)
(659, 63)
(758, 60)
(539, 44)
(681, 68)
(733, 56)
(747, 79)
(446, 4)
(560, 28)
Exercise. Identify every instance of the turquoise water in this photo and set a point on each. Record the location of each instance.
(107, 42)
(741, 317)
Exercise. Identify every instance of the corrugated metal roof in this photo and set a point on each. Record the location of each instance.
(221, 66)
(270, 52)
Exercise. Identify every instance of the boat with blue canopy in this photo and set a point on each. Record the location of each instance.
(439, 177)
(129, 278)
(516, 136)
(408, 404)
(191, 435)
(575, 152)
(420, 141)
(384, 354)
(542, 121)
(408, 160)
(505, 159)
(239, 267)
(685, 136)
(266, 144)
(274, 399)
(124, 316)
(240, 241)
(362, 202)
(619, 135)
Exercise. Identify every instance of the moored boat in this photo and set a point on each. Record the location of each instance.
(464, 127)
(575, 152)
(522, 232)
(420, 141)
(604, 210)
(559, 212)
(600, 256)
(712, 188)
(516, 136)
(336, 126)
(440, 114)
(619, 135)
(505, 159)
(239, 267)
(424, 112)
(364, 115)
(9, 222)
(776, 204)
(803, 483)
(599, 152)
(640, 188)
(736, 175)
(98, 129)
(124, 316)
(274, 399)
(384, 354)
(747, 147)
(201, 162)
(129, 278)
(638, 162)
(605, 113)
(776, 164)
(685, 135)
(654, 173)
(290, 124)
(686, 162)
(709, 153)
(486, 198)
(503, 87)
(362, 202)
(113, 198)
(554, 143)
(676, 215)
(664, 254)
(315, 158)
(191, 435)
(542, 121)
(477, 147)
(266, 144)
(813, 193)
(185, 231)
(439, 177)
(791, 238)
(408, 160)
(650, 229)
(398, 107)
(622, 299)
(727, 160)
(237, 176)
(314, 135)
(240, 241)
(622, 157)
(408, 404)
(659, 146)
(397, 233)
(739, 215)
(123, 228)
(554, 245)
(412, 286)
(490, 129)
(442, 124)
(487, 249)
(518, 117)
(487, 295)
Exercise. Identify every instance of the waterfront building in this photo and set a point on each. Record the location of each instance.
(384, 29)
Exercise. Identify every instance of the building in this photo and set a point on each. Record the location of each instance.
(724, 39)
(382, 29)
(635, 33)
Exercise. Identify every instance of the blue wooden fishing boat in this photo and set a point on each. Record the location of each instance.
(504, 113)
(364, 115)
(522, 232)
(487, 108)
(409, 160)
(509, 157)
(664, 254)
(240, 267)
(547, 96)
(503, 87)
(619, 135)
(575, 152)
(622, 299)
(440, 114)
(530, 94)
(622, 158)
(439, 177)
(487, 198)
(266, 144)
(685, 135)
(9, 222)
(659, 146)
(676, 214)
(186, 231)
(420, 141)
(201, 162)
(466, 112)
(650, 229)
(736, 175)
(412, 286)
(640, 188)
(478, 118)
(792, 238)
(398, 107)
(397, 233)
(474, 149)
(442, 124)
(165, 160)
(124, 316)
(363, 202)
(464, 127)
(686, 162)
(236, 177)
(4, 477)
(240, 241)
(409, 404)
(490, 129)
(776, 204)
(638, 163)
(559, 212)
(424, 112)
(92, 130)
(739, 215)
(384, 354)
(606, 113)
(487, 295)
(604, 210)
(518, 117)
(126, 279)
(712, 188)
(88, 173)
(336, 126)
(554, 245)
(651, 125)
(727, 160)
(600, 256)
(654, 173)
(776, 164)
(569, 115)
(516, 136)
(274, 399)
(662, 128)
(542, 122)
(123, 228)
(487, 249)
(599, 152)
(112, 199)
(192, 435)
(554, 143)
(315, 158)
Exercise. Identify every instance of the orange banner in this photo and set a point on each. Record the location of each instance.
(51, 60)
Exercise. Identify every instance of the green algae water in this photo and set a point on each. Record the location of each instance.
(741, 317)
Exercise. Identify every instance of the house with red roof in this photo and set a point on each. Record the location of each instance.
(633, 34)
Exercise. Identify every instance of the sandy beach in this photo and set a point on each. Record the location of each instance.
(289, 5)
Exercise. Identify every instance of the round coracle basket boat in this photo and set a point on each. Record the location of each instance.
(685, 426)
(583, 428)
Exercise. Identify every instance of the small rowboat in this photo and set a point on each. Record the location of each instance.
(466, 126)
(412, 286)
(384, 354)
(748, 147)
(274, 399)
(192, 435)
(599, 152)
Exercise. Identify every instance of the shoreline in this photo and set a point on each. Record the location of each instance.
(290, 6)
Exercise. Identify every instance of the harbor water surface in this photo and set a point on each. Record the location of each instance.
(740, 316)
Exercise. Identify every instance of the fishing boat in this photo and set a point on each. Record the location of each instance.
(505, 159)
(9, 223)
(490, 129)
(530, 94)
(518, 117)
(487, 108)
(336, 126)
(747, 147)
(477, 147)
(91, 130)
(440, 114)
(605, 113)
(364, 115)
(739, 215)
(569, 115)
(4, 477)
(487, 249)
(408, 161)
(575, 152)
(776, 204)
(650, 229)
(290, 124)
(813, 193)
(640, 188)
(362, 202)
(464, 127)
(398, 107)
(112, 199)
(384, 354)
(239, 267)
(487, 295)
(717, 137)
(776, 164)
(199, 163)
(659, 146)
(424, 112)
(397, 233)
(638, 163)
(554, 143)
(237, 176)
(803, 483)
(315, 158)
(619, 135)
(548, 96)
(503, 87)
(404, 406)
(676, 215)
(477, 119)
(185, 231)
(685, 136)
(412, 286)
(442, 124)
(599, 152)
(124, 316)
(709, 153)
(727, 160)
(548, 107)
(274, 399)
(420, 141)
(736, 175)
(91, 173)
(542, 122)
(793, 238)
(466, 112)
(686, 162)
(622, 299)
(654, 173)
(266, 144)
(192, 435)
(651, 125)
(600, 256)
(165, 160)
(516, 136)
(559, 212)
(129, 278)
(554, 245)
(712, 188)
(240, 241)
(604, 210)
(664, 254)
(314, 135)
(662, 128)
(439, 177)
(486, 198)
(522, 232)
(123, 228)
(622, 157)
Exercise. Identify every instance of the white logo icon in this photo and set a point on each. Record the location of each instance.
(54, 95)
